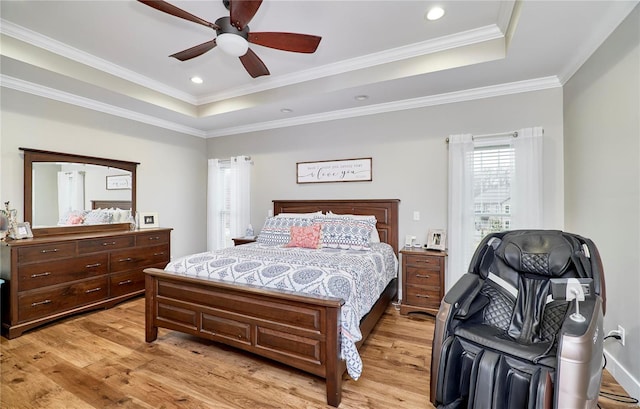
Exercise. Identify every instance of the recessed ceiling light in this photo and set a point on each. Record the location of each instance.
(196, 80)
(361, 97)
(435, 13)
(286, 110)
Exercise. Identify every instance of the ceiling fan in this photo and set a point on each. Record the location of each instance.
(233, 35)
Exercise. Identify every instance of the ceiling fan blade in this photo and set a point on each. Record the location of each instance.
(253, 64)
(194, 51)
(178, 12)
(242, 11)
(298, 43)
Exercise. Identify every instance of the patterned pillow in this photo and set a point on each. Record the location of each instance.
(276, 230)
(347, 233)
(97, 216)
(307, 236)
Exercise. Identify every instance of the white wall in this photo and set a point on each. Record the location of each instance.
(409, 155)
(171, 176)
(602, 180)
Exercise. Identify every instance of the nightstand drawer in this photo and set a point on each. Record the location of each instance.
(422, 261)
(422, 276)
(428, 297)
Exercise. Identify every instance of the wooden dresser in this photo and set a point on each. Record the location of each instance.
(51, 277)
(422, 280)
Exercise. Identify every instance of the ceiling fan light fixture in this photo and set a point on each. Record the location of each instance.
(435, 13)
(232, 44)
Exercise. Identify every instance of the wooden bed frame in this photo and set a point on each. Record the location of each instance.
(107, 204)
(297, 330)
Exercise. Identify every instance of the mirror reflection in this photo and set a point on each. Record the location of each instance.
(66, 193)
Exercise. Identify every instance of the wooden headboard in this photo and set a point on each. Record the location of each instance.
(107, 204)
(385, 211)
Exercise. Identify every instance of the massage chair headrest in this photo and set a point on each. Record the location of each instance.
(546, 253)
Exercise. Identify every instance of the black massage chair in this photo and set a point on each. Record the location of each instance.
(522, 329)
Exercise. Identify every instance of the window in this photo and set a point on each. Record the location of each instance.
(493, 168)
(228, 200)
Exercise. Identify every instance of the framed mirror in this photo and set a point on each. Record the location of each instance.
(68, 193)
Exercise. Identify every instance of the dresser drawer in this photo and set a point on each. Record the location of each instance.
(46, 252)
(41, 303)
(427, 297)
(422, 261)
(422, 276)
(104, 244)
(126, 283)
(123, 260)
(39, 275)
(152, 238)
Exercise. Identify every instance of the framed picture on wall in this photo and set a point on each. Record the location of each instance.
(342, 170)
(437, 239)
(118, 182)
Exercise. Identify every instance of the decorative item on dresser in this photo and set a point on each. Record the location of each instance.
(422, 280)
(55, 276)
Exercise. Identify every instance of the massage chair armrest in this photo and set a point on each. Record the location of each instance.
(463, 297)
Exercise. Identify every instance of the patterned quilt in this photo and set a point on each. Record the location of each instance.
(358, 277)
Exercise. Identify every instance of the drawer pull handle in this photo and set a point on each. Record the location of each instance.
(93, 290)
(35, 304)
(113, 243)
(125, 282)
(93, 265)
(123, 260)
(158, 254)
(423, 275)
(154, 238)
(422, 296)
(48, 273)
(49, 251)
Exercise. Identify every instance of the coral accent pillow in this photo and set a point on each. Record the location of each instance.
(306, 236)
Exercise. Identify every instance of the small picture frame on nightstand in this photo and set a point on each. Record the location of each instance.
(436, 240)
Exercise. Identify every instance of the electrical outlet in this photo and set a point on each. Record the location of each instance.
(416, 215)
(622, 333)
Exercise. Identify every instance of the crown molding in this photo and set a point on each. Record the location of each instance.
(57, 95)
(596, 39)
(421, 102)
(54, 46)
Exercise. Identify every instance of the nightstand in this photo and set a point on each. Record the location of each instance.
(422, 280)
(243, 240)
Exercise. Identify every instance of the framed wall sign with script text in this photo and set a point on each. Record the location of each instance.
(343, 170)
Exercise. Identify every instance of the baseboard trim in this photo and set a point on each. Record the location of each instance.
(622, 376)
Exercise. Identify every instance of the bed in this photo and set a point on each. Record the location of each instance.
(300, 330)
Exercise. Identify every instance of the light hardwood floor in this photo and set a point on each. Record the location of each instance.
(100, 360)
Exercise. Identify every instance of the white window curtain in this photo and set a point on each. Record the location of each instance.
(526, 186)
(460, 224)
(228, 200)
(215, 202)
(240, 195)
(526, 193)
(70, 192)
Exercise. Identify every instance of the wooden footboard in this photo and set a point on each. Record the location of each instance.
(299, 331)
